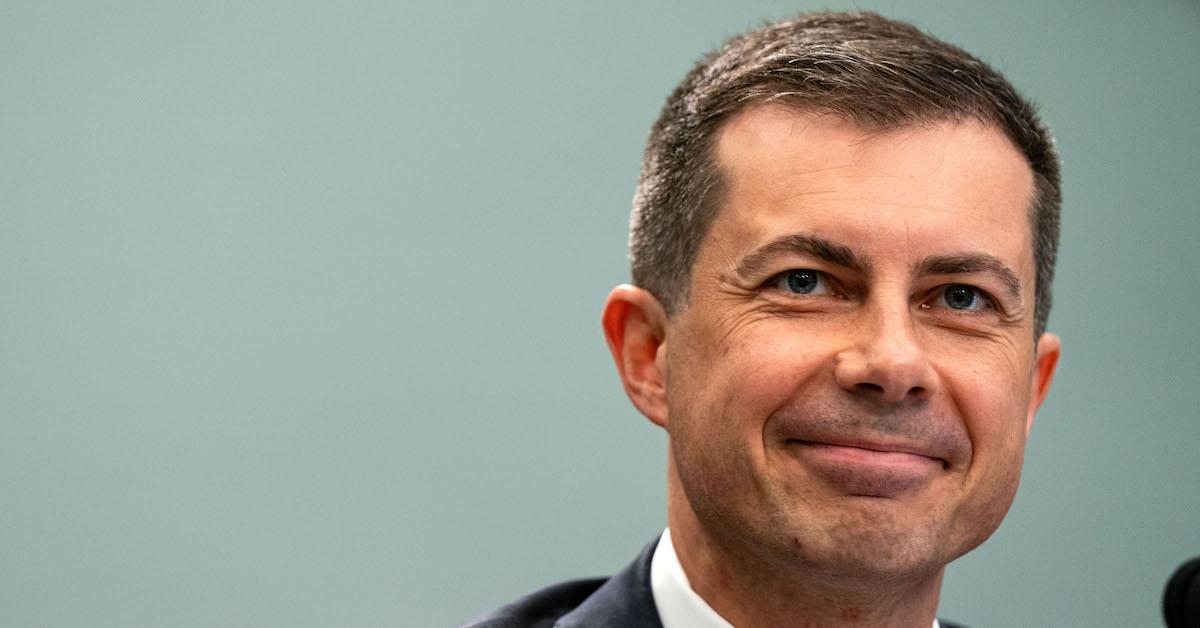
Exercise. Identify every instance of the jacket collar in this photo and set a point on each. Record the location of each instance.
(624, 600)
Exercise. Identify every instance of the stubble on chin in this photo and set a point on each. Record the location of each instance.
(864, 542)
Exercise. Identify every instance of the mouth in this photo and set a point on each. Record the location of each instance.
(867, 469)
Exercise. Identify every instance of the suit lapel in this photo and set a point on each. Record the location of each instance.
(624, 600)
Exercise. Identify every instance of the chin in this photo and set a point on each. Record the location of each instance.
(870, 546)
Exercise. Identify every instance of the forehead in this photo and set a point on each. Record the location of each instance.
(949, 185)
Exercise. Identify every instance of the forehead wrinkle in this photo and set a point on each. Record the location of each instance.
(971, 263)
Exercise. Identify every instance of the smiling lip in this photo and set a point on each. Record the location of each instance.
(867, 469)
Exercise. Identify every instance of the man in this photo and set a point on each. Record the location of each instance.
(842, 246)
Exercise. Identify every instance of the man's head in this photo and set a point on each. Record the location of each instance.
(843, 240)
(875, 72)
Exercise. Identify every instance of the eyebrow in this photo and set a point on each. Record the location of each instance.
(756, 262)
(802, 244)
(971, 263)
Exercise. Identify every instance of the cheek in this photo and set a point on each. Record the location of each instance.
(992, 403)
(770, 368)
(756, 371)
(732, 379)
(990, 392)
(994, 416)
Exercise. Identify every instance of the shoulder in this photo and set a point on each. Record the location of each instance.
(626, 599)
(541, 608)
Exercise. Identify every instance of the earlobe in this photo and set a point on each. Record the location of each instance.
(635, 328)
(1045, 361)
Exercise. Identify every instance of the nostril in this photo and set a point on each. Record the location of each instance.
(871, 388)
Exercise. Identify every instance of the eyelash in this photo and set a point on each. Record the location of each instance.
(775, 282)
(941, 293)
(823, 280)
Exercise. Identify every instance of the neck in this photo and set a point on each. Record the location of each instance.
(750, 592)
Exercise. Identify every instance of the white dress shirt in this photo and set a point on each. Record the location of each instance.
(678, 605)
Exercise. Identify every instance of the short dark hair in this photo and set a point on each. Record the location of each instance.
(863, 67)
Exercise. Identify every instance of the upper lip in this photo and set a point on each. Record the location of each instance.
(882, 445)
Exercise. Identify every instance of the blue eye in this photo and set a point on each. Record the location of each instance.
(962, 297)
(802, 281)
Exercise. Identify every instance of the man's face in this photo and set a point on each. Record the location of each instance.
(853, 377)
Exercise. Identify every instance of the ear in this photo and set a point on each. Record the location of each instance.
(1045, 361)
(635, 327)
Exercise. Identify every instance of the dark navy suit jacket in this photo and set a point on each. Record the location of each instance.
(622, 601)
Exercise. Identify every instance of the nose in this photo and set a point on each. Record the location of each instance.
(885, 359)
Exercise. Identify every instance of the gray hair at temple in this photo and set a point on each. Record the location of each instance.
(878, 73)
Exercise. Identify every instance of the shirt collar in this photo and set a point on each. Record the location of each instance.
(678, 605)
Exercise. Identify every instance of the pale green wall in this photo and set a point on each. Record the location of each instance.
(299, 313)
